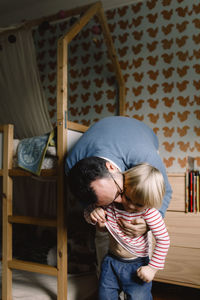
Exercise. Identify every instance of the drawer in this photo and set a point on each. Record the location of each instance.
(177, 182)
(184, 229)
(182, 267)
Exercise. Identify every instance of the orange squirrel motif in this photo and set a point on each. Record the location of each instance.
(168, 116)
(151, 47)
(98, 108)
(122, 10)
(152, 18)
(152, 60)
(136, 21)
(152, 32)
(183, 131)
(168, 101)
(137, 35)
(152, 88)
(182, 71)
(168, 147)
(138, 90)
(151, 4)
(168, 132)
(73, 60)
(153, 103)
(73, 98)
(123, 38)
(138, 104)
(182, 26)
(98, 82)
(197, 130)
(98, 95)
(182, 11)
(167, 14)
(153, 118)
(136, 7)
(183, 101)
(167, 29)
(197, 113)
(183, 146)
(137, 49)
(167, 87)
(138, 76)
(85, 97)
(181, 42)
(183, 116)
(181, 86)
(168, 72)
(167, 43)
(169, 162)
(182, 162)
(153, 74)
(111, 107)
(167, 57)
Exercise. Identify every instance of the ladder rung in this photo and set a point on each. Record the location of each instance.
(43, 173)
(33, 221)
(32, 267)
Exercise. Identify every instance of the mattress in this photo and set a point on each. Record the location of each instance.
(34, 286)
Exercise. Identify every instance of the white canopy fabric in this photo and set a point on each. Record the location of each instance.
(22, 99)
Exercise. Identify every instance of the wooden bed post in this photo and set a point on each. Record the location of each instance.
(61, 151)
(62, 97)
(7, 210)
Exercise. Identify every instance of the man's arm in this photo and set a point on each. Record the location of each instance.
(135, 228)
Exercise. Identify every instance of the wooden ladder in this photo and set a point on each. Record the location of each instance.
(8, 263)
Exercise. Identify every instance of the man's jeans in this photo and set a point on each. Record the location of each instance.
(121, 275)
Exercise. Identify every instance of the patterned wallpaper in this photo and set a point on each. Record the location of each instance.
(158, 47)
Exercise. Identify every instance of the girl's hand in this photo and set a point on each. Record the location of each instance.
(98, 215)
(146, 273)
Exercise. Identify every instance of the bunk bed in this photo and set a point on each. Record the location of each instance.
(14, 268)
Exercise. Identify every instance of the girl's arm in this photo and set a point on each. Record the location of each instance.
(157, 226)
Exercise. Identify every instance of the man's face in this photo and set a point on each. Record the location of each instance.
(108, 190)
(111, 189)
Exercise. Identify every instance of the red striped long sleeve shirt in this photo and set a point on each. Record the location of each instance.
(139, 246)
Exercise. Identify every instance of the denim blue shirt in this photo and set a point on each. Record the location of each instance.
(125, 141)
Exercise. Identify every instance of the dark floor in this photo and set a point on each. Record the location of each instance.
(162, 291)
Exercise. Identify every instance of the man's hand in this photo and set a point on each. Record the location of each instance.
(135, 228)
(146, 273)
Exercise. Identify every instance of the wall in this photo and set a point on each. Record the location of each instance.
(158, 45)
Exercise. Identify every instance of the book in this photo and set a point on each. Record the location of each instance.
(1, 150)
(188, 184)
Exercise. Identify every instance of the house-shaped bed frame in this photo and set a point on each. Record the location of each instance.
(7, 172)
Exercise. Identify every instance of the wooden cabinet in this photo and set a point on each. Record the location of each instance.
(183, 260)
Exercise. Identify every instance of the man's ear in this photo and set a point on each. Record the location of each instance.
(111, 167)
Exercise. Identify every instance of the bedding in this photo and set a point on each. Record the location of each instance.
(37, 153)
(34, 286)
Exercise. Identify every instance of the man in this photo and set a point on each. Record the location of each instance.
(111, 146)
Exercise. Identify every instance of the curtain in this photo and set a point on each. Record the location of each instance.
(22, 99)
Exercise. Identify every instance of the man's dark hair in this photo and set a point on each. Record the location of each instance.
(83, 174)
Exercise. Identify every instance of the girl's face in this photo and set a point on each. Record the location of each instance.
(131, 205)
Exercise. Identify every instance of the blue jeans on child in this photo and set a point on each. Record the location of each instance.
(121, 275)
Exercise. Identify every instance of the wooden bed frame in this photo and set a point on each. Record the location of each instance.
(7, 172)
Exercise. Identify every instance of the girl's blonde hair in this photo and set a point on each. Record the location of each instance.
(145, 184)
